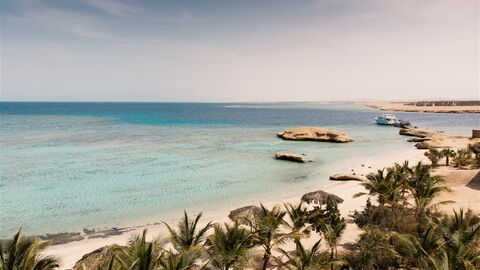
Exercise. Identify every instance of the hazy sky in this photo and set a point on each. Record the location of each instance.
(271, 50)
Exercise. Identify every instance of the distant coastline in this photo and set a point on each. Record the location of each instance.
(408, 107)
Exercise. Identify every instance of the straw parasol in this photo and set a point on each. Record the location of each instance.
(320, 197)
(250, 212)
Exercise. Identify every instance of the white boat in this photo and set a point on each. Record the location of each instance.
(386, 119)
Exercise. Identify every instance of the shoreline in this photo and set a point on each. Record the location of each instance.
(400, 106)
(457, 180)
(70, 252)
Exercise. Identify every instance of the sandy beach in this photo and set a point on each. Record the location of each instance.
(400, 106)
(463, 185)
(319, 134)
(69, 253)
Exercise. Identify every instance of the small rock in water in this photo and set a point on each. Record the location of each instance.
(88, 231)
(346, 177)
(289, 157)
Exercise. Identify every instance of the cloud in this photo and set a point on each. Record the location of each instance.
(379, 51)
(78, 24)
(113, 7)
(430, 8)
(327, 3)
(71, 21)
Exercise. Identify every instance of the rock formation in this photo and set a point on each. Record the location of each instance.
(347, 177)
(289, 156)
(420, 133)
(314, 134)
(433, 139)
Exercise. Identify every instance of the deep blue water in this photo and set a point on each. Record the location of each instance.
(69, 166)
(232, 114)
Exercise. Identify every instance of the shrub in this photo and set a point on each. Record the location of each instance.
(373, 251)
(463, 157)
(434, 156)
(395, 218)
(475, 149)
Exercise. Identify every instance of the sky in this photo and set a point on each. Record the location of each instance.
(239, 51)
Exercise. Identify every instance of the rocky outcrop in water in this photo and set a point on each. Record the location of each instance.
(417, 139)
(419, 133)
(289, 157)
(347, 177)
(436, 139)
(320, 134)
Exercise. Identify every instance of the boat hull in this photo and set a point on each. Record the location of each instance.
(381, 121)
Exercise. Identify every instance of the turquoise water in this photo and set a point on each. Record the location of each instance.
(70, 166)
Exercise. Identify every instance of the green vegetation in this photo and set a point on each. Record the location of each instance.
(434, 156)
(401, 229)
(139, 254)
(463, 157)
(447, 153)
(475, 149)
(228, 247)
(23, 253)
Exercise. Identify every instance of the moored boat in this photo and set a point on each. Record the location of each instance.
(386, 119)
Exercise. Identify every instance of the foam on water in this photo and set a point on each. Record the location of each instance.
(69, 166)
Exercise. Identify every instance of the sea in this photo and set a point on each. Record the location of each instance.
(66, 167)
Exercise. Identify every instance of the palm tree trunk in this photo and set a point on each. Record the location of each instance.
(447, 161)
(331, 257)
(266, 258)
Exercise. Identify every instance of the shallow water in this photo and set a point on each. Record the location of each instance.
(69, 166)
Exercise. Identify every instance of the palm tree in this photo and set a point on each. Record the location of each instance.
(447, 153)
(383, 185)
(298, 216)
(425, 187)
(227, 248)
(400, 173)
(187, 235)
(268, 231)
(431, 248)
(462, 235)
(184, 260)
(332, 234)
(140, 254)
(433, 155)
(303, 258)
(23, 253)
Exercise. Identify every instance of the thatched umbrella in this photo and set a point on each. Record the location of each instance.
(320, 197)
(250, 212)
(97, 258)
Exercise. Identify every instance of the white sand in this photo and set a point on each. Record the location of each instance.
(69, 253)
